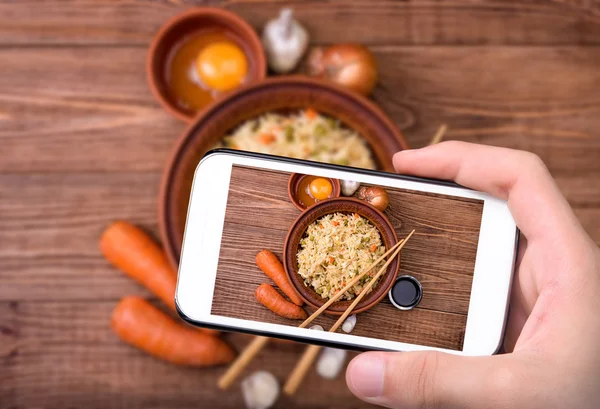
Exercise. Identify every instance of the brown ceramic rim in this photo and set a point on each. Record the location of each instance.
(171, 239)
(232, 19)
(335, 192)
(380, 290)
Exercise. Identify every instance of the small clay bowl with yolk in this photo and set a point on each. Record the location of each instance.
(294, 187)
(191, 23)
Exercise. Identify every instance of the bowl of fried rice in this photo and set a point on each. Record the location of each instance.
(291, 116)
(333, 242)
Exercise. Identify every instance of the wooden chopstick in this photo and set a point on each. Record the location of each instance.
(242, 361)
(310, 354)
(437, 138)
(258, 343)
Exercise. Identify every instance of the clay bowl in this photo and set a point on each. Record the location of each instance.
(293, 188)
(188, 23)
(297, 231)
(281, 94)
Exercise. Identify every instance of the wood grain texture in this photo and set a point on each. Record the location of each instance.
(548, 105)
(82, 143)
(370, 22)
(50, 226)
(63, 354)
(441, 253)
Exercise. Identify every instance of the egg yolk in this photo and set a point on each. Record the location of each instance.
(320, 188)
(222, 66)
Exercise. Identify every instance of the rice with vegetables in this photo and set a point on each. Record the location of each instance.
(305, 135)
(335, 249)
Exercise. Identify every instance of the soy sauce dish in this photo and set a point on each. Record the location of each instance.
(201, 55)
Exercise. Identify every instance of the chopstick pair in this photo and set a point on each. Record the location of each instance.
(259, 342)
(304, 364)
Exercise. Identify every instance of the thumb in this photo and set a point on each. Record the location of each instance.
(429, 380)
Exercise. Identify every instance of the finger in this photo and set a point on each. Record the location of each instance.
(427, 380)
(516, 176)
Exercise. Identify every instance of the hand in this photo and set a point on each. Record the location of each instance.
(553, 333)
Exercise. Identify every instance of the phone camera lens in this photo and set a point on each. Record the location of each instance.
(406, 293)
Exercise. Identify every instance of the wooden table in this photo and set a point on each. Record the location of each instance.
(82, 142)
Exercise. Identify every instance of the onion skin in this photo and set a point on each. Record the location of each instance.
(375, 196)
(350, 65)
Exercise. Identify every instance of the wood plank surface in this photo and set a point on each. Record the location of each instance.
(82, 142)
(107, 107)
(58, 354)
(441, 254)
(367, 21)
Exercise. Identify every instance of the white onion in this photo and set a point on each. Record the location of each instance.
(260, 390)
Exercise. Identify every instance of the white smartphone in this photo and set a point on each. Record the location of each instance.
(460, 258)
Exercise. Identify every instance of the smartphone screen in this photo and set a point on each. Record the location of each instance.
(444, 254)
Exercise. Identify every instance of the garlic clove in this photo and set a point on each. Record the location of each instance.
(349, 324)
(260, 390)
(349, 187)
(331, 362)
(285, 41)
(317, 328)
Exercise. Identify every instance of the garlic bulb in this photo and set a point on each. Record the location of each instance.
(317, 328)
(285, 41)
(349, 324)
(260, 390)
(349, 187)
(331, 362)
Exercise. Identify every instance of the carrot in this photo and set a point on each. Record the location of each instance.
(142, 325)
(270, 298)
(132, 251)
(310, 113)
(272, 267)
(373, 248)
(266, 138)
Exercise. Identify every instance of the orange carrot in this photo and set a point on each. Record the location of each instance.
(272, 267)
(270, 298)
(310, 113)
(373, 248)
(132, 251)
(142, 325)
(266, 138)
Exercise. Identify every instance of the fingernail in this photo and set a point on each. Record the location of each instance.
(365, 375)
